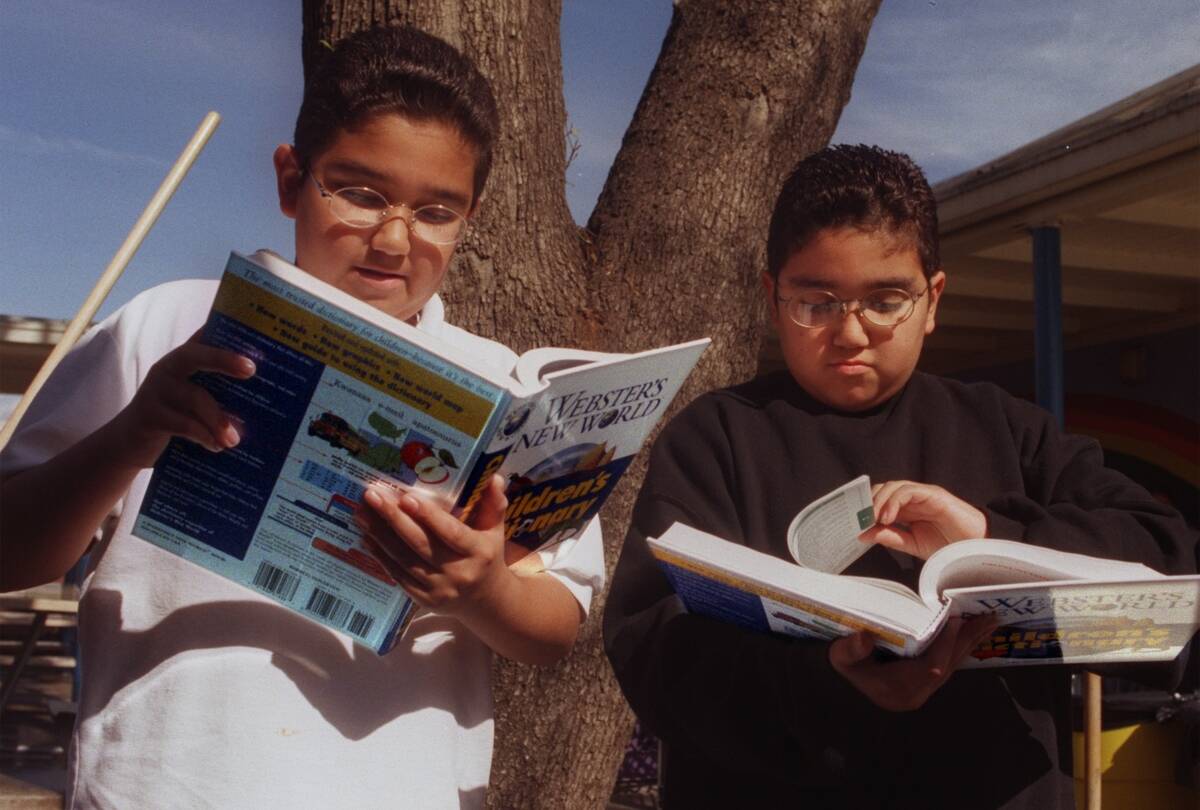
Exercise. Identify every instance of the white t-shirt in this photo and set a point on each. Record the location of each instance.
(200, 693)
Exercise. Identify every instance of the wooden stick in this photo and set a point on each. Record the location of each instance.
(1092, 765)
(115, 267)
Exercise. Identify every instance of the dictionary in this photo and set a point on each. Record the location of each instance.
(1053, 607)
(345, 396)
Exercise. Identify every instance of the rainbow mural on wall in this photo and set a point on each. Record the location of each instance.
(1159, 449)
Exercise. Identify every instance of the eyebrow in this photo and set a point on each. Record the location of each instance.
(366, 174)
(890, 283)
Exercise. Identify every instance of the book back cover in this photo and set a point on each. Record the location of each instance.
(336, 403)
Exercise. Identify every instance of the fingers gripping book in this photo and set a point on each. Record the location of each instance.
(1054, 607)
(344, 396)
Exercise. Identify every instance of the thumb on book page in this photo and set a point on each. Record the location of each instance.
(489, 512)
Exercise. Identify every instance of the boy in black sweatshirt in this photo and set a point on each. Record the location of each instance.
(853, 283)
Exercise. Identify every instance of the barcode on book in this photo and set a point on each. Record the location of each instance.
(328, 607)
(339, 612)
(276, 581)
(360, 624)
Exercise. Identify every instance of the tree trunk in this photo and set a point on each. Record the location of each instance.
(673, 251)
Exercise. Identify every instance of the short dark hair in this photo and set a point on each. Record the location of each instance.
(862, 187)
(396, 69)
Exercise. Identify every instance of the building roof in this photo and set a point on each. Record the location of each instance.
(1123, 187)
(24, 345)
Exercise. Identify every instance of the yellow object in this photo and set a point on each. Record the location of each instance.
(1138, 763)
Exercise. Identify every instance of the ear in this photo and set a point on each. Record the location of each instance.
(768, 282)
(288, 178)
(937, 284)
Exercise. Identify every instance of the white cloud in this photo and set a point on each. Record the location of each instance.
(14, 141)
(956, 85)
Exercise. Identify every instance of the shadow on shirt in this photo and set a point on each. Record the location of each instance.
(355, 690)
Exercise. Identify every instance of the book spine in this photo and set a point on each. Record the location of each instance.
(495, 446)
(393, 633)
(713, 592)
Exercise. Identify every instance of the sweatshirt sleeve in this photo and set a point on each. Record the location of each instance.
(1071, 501)
(750, 701)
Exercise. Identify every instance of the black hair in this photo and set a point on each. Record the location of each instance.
(396, 69)
(862, 187)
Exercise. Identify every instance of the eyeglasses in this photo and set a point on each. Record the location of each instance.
(820, 308)
(361, 207)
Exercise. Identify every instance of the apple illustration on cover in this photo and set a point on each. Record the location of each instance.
(420, 458)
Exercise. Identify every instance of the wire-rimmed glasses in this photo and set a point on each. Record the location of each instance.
(362, 207)
(819, 308)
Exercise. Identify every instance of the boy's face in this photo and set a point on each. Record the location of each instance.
(416, 163)
(852, 364)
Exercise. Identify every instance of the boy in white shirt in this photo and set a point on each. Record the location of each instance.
(197, 692)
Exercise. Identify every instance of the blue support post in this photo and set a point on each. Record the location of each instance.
(1047, 301)
(70, 635)
(1048, 363)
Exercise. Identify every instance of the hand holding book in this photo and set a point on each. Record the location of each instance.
(458, 569)
(918, 519)
(440, 561)
(170, 403)
(904, 684)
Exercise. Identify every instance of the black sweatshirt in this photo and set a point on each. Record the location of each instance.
(750, 720)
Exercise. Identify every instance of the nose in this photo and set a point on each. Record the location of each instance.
(851, 331)
(392, 236)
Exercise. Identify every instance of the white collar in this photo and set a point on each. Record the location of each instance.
(431, 316)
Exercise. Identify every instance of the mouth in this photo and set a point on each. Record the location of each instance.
(378, 276)
(850, 367)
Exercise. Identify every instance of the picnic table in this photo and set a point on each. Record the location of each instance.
(31, 612)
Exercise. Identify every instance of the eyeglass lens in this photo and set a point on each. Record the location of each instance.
(880, 307)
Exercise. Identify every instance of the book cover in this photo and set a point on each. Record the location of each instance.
(573, 442)
(1070, 622)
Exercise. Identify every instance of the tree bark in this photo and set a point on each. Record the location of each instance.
(672, 251)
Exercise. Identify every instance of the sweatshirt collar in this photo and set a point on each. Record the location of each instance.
(804, 399)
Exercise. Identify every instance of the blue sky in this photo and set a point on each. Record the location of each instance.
(98, 98)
